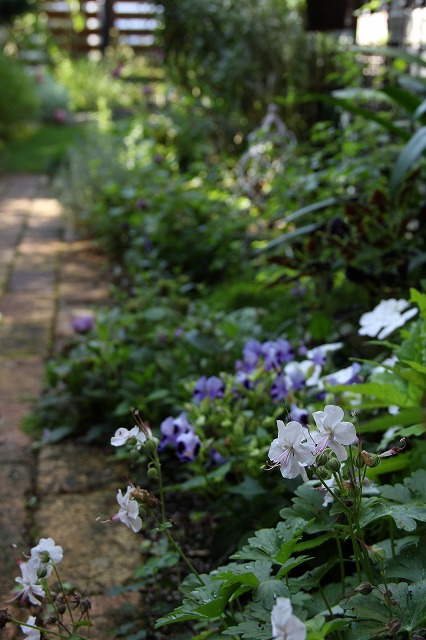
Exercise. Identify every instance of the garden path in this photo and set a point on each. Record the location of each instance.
(47, 277)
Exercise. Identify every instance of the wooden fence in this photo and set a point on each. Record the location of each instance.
(128, 22)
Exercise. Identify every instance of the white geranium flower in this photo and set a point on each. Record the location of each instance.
(129, 510)
(47, 552)
(31, 634)
(122, 435)
(286, 626)
(28, 581)
(290, 452)
(332, 432)
(385, 318)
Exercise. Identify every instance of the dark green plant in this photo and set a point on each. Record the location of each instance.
(18, 101)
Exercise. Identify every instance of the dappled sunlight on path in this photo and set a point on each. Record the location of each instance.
(46, 279)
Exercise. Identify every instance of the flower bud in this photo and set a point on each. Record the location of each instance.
(358, 461)
(42, 572)
(151, 444)
(134, 456)
(365, 588)
(394, 626)
(369, 459)
(44, 557)
(322, 459)
(334, 465)
(377, 554)
(152, 472)
(61, 608)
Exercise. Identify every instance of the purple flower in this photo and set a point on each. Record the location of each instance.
(171, 428)
(178, 332)
(142, 204)
(188, 446)
(279, 389)
(243, 380)
(318, 356)
(275, 353)
(210, 388)
(251, 354)
(216, 458)
(83, 324)
(299, 415)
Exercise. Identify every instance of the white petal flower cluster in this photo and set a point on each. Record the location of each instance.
(296, 447)
(285, 625)
(385, 318)
(128, 513)
(122, 436)
(291, 451)
(43, 556)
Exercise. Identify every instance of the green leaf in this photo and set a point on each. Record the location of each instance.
(388, 394)
(249, 488)
(419, 299)
(291, 235)
(409, 101)
(310, 208)
(408, 156)
(420, 111)
(404, 515)
(371, 615)
(410, 564)
(291, 563)
(268, 591)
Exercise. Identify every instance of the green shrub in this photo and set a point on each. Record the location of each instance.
(18, 101)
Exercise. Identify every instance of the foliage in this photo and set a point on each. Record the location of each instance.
(241, 54)
(18, 101)
(41, 150)
(92, 85)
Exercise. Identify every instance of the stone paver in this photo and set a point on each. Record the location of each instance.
(63, 491)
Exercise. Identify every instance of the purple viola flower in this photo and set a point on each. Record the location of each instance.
(83, 323)
(142, 204)
(210, 388)
(302, 350)
(279, 389)
(171, 428)
(276, 352)
(251, 354)
(243, 380)
(188, 446)
(216, 458)
(299, 415)
(318, 356)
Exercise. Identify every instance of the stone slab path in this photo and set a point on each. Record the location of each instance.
(47, 277)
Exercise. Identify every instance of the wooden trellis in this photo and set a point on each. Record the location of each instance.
(130, 22)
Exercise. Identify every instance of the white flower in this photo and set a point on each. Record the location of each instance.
(31, 634)
(385, 318)
(122, 435)
(129, 510)
(46, 552)
(28, 581)
(286, 626)
(332, 432)
(289, 452)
